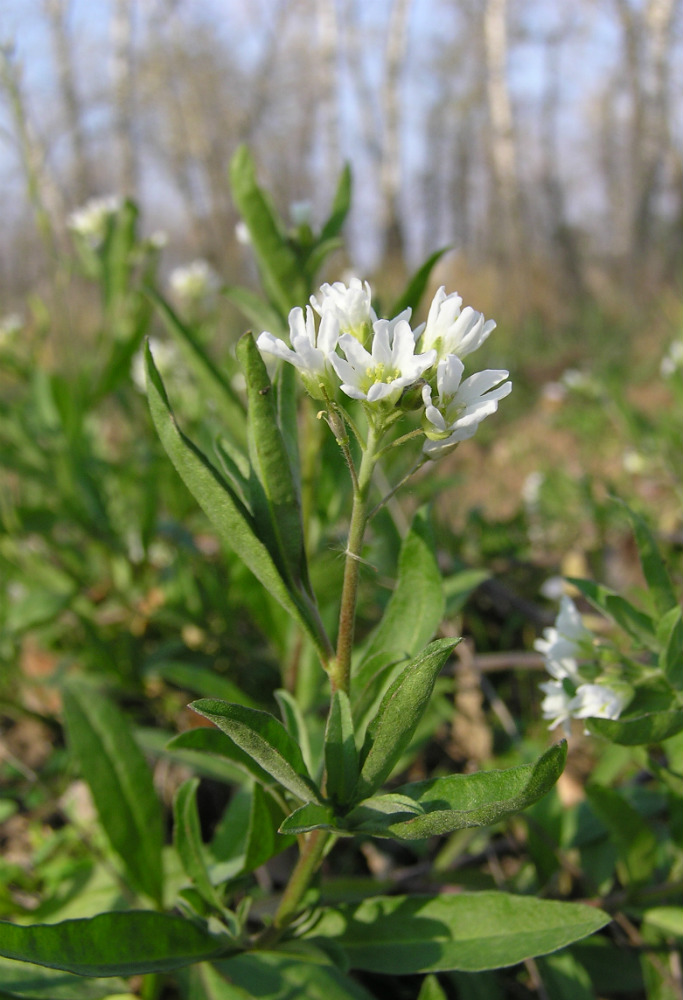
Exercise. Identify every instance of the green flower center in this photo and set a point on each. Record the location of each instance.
(380, 373)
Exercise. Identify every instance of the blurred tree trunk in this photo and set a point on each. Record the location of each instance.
(328, 94)
(56, 13)
(647, 37)
(562, 234)
(505, 197)
(390, 179)
(123, 80)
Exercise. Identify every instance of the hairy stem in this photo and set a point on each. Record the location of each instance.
(340, 668)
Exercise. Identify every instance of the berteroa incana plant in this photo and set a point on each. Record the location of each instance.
(393, 396)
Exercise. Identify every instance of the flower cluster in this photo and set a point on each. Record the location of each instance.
(91, 220)
(194, 283)
(569, 695)
(387, 363)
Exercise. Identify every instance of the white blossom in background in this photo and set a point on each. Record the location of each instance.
(301, 213)
(566, 642)
(11, 326)
(672, 361)
(165, 357)
(556, 706)
(242, 234)
(391, 366)
(350, 304)
(310, 352)
(91, 219)
(194, 283)
(450, 331)
(597, 701)
(461, 405)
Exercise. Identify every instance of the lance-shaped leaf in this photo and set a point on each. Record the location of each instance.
(278, 264)
(260, 314)
(411, 618)
(34, 982)
(295, 724)
(398, 716)
(403, 935)
(187, 837)
(263, 840)
(120, 782)
(442, 805)
(633, 621)
(275, 499)
(340, 206)
(654, 569)
(265, 740)
(651, 727)
(222, 506)
(129, 943)
(415, 289)
(341, 755)
(312, 816)
(670, 637)
(217, 386)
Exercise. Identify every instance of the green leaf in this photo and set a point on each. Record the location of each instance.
(263, 839)
(279, 267)
(311, 816)
(398, 716)
(265, 740)
(260, 315)
(459, 801)
(341, 755)
(112, 944)
(415, 607)
(275, 505)
(35, 982)
(340, 206)
(120, 782)
(431, 990)
(215, 383)
(653, 727)
(670, 637)
(213, 741)
(295, 724)
(402, 935)
(654, 569)
(219, 502)
(187, 837)
(666, 919)
(415, 289)
(565, 978)
(633, 621)
(199, 680)
(289, 975)
(629, 832)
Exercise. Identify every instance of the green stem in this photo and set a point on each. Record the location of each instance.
(340, 668)
(304, 870)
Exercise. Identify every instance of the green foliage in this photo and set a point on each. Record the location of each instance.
(324, 600)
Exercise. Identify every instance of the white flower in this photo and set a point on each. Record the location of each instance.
(556, 705)
(451, 331)
(301, 213)
(311, 353)
(90, 220)
(461, 406)
(597, 701)
(565, 642)
(350, 304)
(383, 374)
(10, 326)
(672, 360)
(242, 234)
(194, 282)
